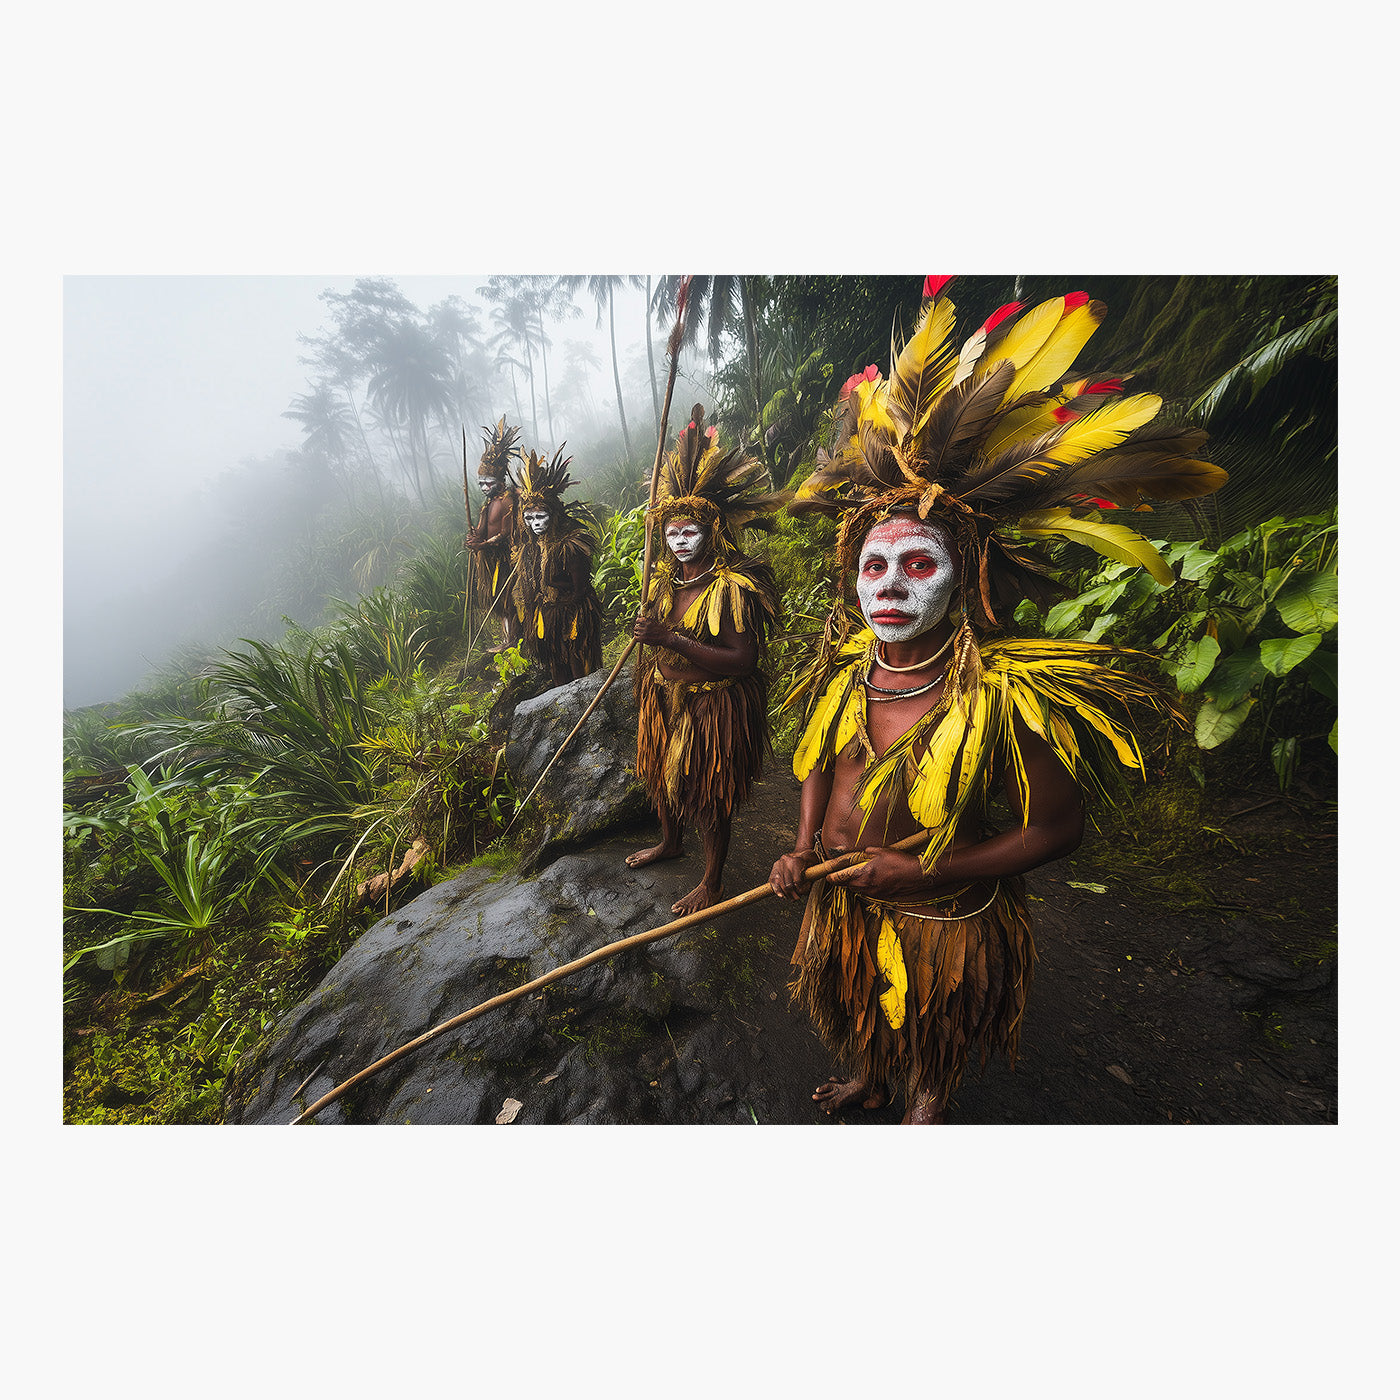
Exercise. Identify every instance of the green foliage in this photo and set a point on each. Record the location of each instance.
(192, 840)
(1249, 627)
(617, 564)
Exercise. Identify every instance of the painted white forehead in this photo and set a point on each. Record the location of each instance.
(903, 533)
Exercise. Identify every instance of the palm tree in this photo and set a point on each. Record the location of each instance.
(457, 328)
(719, 304)
(513, 318)
(326, 420)
(412, 382)
(601, 290)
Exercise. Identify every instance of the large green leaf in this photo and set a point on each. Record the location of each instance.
(1321, 669)
(1214, 725)
(1258, 368)
(1196, 663)
(1332, 737)
(1281, 654)
(1309, 604)
(1234, 677)
(1198, 563)
(1064, 615)
(1101, 625)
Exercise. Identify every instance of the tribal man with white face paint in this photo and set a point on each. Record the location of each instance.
(491, 539)
(701, 694)
(945, 477)
(907, 577)
(555, 607)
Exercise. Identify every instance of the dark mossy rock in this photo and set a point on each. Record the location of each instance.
(647, 1036)
(532, 681)
(593, 789)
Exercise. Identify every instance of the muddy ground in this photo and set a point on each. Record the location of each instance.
(1204, 993)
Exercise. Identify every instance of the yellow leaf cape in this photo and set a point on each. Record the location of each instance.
(944, 766)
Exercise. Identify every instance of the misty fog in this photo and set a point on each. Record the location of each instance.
(237, 449)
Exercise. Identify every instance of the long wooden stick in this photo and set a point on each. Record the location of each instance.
(636, 940)
(471, 645)
(674, 346)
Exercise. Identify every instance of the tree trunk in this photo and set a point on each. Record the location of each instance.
(530, 371)
(617, 378)
(755, 368)
(544, 364)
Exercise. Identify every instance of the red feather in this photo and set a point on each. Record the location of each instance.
(1063, 414)
(1000, 314)
(1073, 299)
(934, 285)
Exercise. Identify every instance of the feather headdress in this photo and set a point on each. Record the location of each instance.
(499, 446)
(725, 491)
(996, 435)
(542, 483)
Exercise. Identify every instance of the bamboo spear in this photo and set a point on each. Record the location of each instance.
(673, 349)
(636, 940)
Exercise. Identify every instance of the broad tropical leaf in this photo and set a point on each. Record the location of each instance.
(1309, 604)
(1214, 725)
(1281, 654)
(1196, 663)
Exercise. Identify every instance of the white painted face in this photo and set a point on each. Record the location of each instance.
(489, 484)
(905, 579)
(686, 539)
(537, 520)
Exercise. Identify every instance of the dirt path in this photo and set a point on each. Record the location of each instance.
(1150, 1004)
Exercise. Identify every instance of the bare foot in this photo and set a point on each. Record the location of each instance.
(701, 897)
(837, 1094)
(925, 1108)
(664, 851)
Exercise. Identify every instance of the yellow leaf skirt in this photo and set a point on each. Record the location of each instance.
(700, 747)
(906, 999)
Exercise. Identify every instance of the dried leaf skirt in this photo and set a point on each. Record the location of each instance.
(903, 999)
(700, 747)
(493, 574)
(572, 632)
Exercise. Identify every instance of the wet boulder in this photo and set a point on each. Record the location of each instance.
(646, 1036)
(593, 788)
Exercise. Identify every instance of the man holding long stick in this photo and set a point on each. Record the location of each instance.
(913, 960)
(494, 534)
(701, 695)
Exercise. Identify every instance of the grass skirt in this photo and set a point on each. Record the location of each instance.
(965, 988)
(489, 560)
(700, 747)
(572, 632)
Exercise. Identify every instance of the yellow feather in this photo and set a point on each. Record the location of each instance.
(736, 605)
(573, 631)
(1020, 425)
(539, 625)
(692, 613)
(1104, 428)
(716, 596)
(811, 742)
(849, 722)
(1112, 541)
(925, 366)
(1056, 355)
(1027, 334)
(890, 959)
